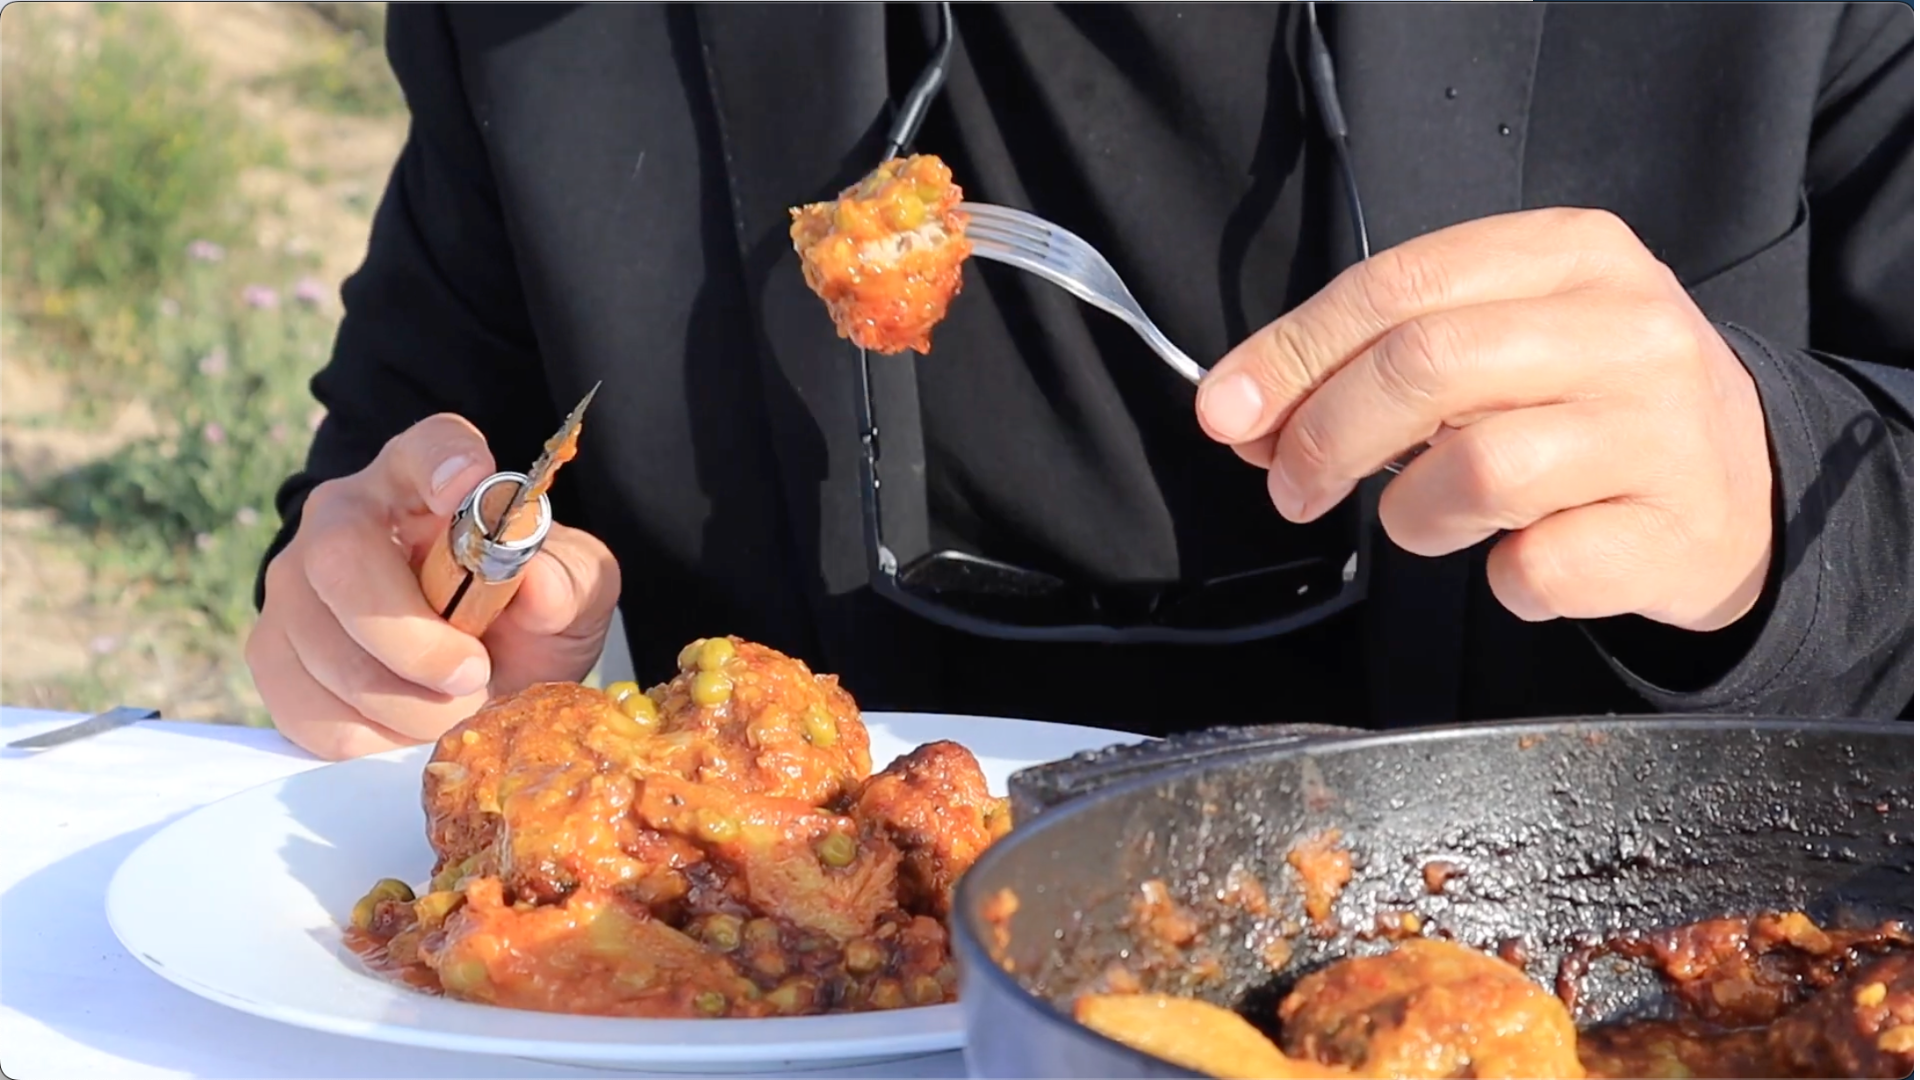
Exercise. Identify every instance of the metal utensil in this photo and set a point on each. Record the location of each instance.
(91, 726)
(1038, 246)
(473, 570)
(557, 452)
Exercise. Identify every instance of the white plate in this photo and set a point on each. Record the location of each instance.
(242, 902)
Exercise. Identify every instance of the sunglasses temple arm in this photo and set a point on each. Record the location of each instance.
(925, 89)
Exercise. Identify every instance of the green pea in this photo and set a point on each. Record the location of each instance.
(640, 709)
(384, 889)
(792, 996)
(710, 1003)
(691, 654)
(819, 727)
(391, 889)
(837, 849)
(723, 932)
(906, 214)
(711, 688)
(714, 652)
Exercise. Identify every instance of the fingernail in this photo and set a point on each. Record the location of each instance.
(449, 469)
(1287, 497)
(468, 678)
(1232, 406)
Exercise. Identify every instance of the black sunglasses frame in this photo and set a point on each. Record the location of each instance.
(1312, 577)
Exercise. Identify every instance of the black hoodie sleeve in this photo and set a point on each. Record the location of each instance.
(1833, 635)
(435, 320)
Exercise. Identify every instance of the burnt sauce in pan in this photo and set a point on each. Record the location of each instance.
(1771, 994)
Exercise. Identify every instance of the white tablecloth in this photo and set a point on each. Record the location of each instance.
(74, 1004)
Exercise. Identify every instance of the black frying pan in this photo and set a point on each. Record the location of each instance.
(1560, 829)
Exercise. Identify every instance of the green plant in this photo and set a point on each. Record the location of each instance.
(369, 20)
(116, 156)
(190, 511)
(346, 71)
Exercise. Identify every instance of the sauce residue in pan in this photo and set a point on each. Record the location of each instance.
(1324, 868)
(1770, 996)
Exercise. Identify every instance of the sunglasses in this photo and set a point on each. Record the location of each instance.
(989, 598)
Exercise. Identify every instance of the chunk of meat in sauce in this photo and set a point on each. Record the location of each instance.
(750, 719)
(1324, 868)
(933, 804)
(1860, 1026)
(1771, 996)
(886, 256)
(536, 789)
(686, 853)
(780, 858)
(1429, 1009)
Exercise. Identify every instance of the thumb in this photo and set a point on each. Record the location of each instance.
(557, 623)
(428, 468)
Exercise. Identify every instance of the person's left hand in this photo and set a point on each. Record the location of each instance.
(1573, 396)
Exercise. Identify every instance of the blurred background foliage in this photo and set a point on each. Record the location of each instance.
(182, 188)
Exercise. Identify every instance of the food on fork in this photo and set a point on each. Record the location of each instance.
(886, 255)
(714, 846)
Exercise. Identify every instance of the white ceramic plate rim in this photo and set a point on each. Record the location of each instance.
(190, 946)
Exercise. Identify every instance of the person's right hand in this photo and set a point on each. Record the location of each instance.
(348, 657)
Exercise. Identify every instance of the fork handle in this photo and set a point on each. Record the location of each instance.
(1177, 360)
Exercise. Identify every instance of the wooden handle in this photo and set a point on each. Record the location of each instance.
(440, 578)
(441, 575)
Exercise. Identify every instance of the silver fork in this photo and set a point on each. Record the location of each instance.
(1046, 250)
(1039, 247)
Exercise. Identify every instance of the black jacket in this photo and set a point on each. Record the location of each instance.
(600, 192)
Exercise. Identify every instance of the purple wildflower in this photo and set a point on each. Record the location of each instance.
(279, 434)
(246, 517)
(260, 296)
(205, 251)
(214, 434)
(203, 541)
(310, 291)
(103, 644)
(214, 364)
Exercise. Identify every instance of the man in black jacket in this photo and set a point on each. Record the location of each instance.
(1642, 287)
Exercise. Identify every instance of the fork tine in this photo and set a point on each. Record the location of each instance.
(999, 250)
(1039, 250)
(1022, 239)
(1011, 225)
(1007, 220)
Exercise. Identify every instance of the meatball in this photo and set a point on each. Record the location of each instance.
(750, 719)
(1430, 1009)
(934, 805)
(886, 255)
